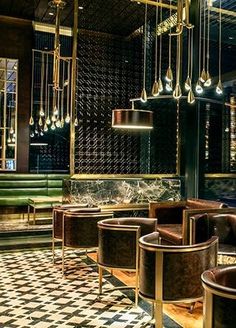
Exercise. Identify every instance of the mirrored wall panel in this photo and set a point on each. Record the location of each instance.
(8, 113)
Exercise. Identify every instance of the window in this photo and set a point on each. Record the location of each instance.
(8, 113)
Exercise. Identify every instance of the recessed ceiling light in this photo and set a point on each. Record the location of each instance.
(51, 13)
(81, 8)
(231, 37)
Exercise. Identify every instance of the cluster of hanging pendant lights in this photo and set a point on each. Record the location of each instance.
(55, 90)
(204, 80)
(54, 103)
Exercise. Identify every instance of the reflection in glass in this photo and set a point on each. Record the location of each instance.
(8, 113)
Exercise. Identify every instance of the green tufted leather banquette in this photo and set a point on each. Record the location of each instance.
(16, 189)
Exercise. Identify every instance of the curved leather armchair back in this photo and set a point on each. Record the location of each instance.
(168, 212)
(80, 228)
(209, 224)
(118, 241)
(204, 203)
(173, 273)
(220, 297)
(58, 214)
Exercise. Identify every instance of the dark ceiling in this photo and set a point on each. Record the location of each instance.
(120, 17)
(123, 17)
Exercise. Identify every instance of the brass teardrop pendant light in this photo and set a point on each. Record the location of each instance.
(45, 128)
(191, 97)
(160, 84)
(143, 96)
(41, 110)
(48, 120)
(155, 88)
(58, 121)
(199, 88)
(179, 29)
(208, 76)
(177, 91)
(188, 83)
(203, 76)
(67, 84)
(31, 120)
(62, 94)
(169, 72)
(219, 87)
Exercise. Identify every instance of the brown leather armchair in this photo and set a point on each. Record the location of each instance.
(57, 216)
(219, 307)
(118, 245)
(221, 223)
(79, 230)
(170, 216)
(172, 273)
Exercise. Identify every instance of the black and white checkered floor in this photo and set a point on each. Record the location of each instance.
(34, 294)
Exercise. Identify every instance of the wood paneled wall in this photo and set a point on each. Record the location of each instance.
(16, 40)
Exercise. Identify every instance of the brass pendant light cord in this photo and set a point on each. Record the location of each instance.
(48, 93)
(58, 103)
(170, 40)
(220, 37)
(32, 86)
(42, 82)
(178, 60)
(204, 36)
(160, 50)
(208, 39)
(62, 91)
(156, 22)
(200, 40)
(189, 52)
(191, 56)
(56, 57)
(46, 89)
(145, 48)
(68, 88)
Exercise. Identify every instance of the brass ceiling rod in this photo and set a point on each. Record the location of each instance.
(158, 4)
(164, 5)
(223, 11)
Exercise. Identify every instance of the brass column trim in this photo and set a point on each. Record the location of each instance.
(207, 309)
(159, 276)
(73, 89)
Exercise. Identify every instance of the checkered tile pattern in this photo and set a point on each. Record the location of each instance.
(33, 293)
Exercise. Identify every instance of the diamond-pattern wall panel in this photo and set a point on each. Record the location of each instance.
(161, 147)
(109, 73)
(108, 76)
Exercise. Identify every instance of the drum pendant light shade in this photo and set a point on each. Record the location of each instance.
(132, 119)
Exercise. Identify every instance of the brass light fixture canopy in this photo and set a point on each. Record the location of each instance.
(55, 3)
(132, 119)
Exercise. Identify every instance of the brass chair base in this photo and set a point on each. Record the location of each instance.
(81, 266)
(135, 287)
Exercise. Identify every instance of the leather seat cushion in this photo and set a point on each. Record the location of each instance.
(227, 249)
(171, 233)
